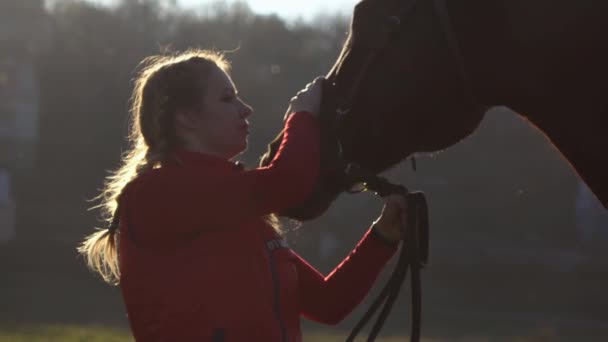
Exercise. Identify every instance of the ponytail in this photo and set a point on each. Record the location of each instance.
(101, 253)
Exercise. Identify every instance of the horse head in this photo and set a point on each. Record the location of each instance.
(394, 90)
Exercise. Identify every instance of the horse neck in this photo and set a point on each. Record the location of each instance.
(536, 57)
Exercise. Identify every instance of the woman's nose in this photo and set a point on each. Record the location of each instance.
(246, 110)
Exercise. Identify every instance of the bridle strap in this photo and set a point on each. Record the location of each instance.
(394, 22)
(457, 56)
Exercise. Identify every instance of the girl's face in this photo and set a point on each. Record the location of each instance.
(222, 128)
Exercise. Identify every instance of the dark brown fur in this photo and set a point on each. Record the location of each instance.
(545, 59)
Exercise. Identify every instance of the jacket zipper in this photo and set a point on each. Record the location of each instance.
(277, 300)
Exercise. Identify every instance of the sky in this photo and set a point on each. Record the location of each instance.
(288, 9)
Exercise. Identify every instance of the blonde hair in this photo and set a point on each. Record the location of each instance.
(166, 83)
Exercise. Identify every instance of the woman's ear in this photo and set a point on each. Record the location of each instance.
(186, 119)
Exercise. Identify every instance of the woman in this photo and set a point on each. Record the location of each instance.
(193, 241)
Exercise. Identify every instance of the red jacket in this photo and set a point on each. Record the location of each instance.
(199, 263)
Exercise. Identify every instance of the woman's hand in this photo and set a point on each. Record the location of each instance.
(393, 219)
(307, 99)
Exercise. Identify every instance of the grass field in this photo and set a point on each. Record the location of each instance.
(104, 334)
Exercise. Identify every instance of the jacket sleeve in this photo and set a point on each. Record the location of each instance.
(330, 299)
(190, 200)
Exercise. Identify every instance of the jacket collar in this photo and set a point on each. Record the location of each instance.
(187, 157)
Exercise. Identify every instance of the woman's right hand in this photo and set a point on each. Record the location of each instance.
(393, 219)
(307, 99)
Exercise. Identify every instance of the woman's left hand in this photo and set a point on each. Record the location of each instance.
(392, 223)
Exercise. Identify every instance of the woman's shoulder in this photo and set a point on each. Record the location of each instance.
(174, 176)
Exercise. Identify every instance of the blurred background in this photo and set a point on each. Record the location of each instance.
(518, 243)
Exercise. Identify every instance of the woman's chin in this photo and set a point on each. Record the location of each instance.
(243, 147)
(239, 150)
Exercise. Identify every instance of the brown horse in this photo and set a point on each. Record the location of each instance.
(418, 76)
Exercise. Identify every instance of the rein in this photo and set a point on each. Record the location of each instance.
(413, 254)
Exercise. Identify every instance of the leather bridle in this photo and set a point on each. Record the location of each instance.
(342, 103)
(414, 255)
